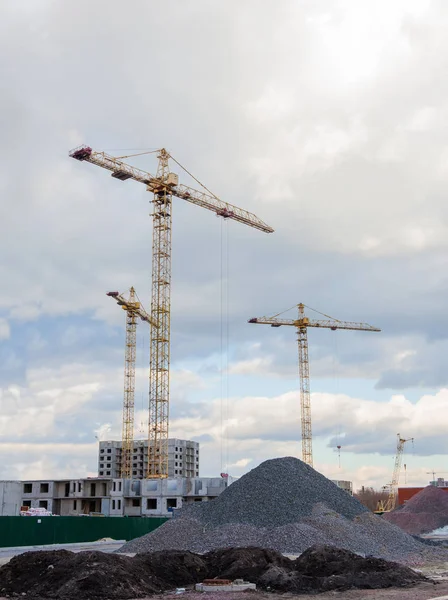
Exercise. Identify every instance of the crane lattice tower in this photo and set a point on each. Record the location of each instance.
(301, 324)
(134, 311)
(164, 186)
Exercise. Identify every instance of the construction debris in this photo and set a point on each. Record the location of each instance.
(287, 506)
(424, 512)
(90, 575)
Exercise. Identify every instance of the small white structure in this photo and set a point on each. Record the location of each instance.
(239, 585)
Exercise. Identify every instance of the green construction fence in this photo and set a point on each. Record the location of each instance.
(40, 531)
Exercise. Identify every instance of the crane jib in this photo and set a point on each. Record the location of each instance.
(123, 172)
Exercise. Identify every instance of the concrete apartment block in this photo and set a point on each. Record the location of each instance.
(183, 458)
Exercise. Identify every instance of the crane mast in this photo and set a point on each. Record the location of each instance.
(305, 396)
(392, 497)
(301, 324)
(163, 186)
(133, 311)
(159, 360)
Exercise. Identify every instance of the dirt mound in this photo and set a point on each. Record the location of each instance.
(431, 498)
(94, 575)
(323, 568)
(176, 568)
(81, 576)
(245, 563)
(424, 512)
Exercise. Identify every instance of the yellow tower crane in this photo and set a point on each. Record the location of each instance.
(164, 185)
(391, 501)
(301, 324)
(134, 310)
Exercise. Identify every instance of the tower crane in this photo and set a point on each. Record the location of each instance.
(134, 310)
(301, 324)
(164, 185)
(434, 473)
(391, 501)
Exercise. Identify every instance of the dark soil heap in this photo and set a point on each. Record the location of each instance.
(424, 512)
(94, 575)
(285, 505)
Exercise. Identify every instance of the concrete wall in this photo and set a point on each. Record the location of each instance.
(10, 498)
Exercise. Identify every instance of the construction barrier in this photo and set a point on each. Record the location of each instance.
(40, 531)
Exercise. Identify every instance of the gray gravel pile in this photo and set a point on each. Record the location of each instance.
(285, 505)
(277, 492)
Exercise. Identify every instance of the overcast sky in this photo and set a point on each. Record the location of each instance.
(326, 118)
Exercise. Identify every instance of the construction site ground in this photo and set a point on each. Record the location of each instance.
(436, 588)
(424, 591)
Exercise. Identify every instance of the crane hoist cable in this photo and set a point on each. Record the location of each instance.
(224, 343)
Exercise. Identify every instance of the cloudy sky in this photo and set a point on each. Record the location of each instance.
(328, 119)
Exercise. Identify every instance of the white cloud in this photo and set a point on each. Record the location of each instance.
(325, 119)
(252, 366)
(5, 331)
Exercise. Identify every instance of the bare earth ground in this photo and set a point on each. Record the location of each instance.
(423, 591)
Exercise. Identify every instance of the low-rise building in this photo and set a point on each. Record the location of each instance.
(117, 497)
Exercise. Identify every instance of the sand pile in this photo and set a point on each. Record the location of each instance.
(424, 512)
(90, 575)
(287, 506)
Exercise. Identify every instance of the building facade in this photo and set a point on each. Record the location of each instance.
(183, 458)
(112, 497)
(68, 497)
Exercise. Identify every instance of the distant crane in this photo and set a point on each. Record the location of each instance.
(134, 310)
(434, 473)
(391, 501)
(301, 324)
(164, 185)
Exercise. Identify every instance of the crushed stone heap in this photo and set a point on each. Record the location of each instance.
(424, 512)
(285, 505)
(87, 575)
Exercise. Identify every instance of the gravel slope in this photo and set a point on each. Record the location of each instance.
(424, 512)
(285, 505)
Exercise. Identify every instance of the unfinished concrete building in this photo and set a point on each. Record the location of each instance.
(183, 459)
